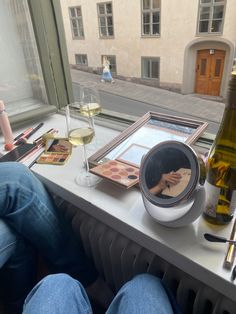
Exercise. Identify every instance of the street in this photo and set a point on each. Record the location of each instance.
(118, 103)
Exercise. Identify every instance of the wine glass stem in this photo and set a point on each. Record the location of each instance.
(93, 125)
(86, 161)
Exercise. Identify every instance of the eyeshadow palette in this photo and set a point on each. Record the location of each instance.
(57, 152)
(53, 159)
(118, 172)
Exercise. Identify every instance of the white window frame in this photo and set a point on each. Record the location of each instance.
(150, 11)
(78, 20)
(106, 16)
(212, 4)
(150, 59)
(82, 58)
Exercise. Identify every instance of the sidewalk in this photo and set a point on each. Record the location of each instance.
(198, 107)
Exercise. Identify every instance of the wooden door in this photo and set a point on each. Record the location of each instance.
(209, 70)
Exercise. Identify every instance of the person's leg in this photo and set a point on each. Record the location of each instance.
(143, 294)
(17, 269)
(57, 294)
(26, 206)
(8, 241)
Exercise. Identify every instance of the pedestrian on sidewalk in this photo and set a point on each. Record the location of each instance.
(106, 73)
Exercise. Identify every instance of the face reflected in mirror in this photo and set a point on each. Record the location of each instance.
(168, 172)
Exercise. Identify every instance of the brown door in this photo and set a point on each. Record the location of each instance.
(210, 65)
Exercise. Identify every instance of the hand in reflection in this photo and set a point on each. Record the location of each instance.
(165, 181)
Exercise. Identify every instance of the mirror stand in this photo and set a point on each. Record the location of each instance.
(180, 215)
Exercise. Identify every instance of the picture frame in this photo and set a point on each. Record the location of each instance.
(149, 130)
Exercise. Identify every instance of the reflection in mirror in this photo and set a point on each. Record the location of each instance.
(168, 173)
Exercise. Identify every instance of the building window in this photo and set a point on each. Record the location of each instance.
(112, 60)
(211, 16)
(150, 68)
(150, 17)
(76, 22)
(81, 59)
(105, 19)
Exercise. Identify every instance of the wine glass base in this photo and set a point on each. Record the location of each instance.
(87, 179)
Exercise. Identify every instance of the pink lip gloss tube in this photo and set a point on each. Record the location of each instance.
(6, 127)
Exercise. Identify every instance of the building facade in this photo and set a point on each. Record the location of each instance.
(186, 46)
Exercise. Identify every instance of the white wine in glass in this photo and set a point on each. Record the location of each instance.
(81, 133)
(90, 107)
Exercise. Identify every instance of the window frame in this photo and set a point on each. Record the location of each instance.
(105, 16)
(150, 11)
(156, 59)
(79, 23)
(212, 4)
(82, 55)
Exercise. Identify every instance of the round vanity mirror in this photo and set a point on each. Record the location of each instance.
(171, 183)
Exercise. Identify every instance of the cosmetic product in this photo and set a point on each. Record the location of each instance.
(230, 256)
(22, 134)
(23, 139)
(5, 127)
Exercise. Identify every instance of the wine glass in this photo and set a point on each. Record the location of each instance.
(81, 132)
(90, 107)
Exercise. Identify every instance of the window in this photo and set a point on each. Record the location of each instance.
(81, 59)
(112, 60)
(150, 17)
(211, 16)
(150, 68)
(105, 19)
(76, 22)
(22, 85)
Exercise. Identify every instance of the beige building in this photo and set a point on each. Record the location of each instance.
(188, 46)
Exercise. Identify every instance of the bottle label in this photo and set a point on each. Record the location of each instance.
(213, 197)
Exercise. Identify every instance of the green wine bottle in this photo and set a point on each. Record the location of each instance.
(220, 182)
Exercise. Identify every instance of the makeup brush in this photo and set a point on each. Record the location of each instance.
(214, 238)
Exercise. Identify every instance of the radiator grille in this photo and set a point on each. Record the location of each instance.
(118, 259)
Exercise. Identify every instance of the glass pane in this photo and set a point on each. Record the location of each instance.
(101, 9)
(155, 29)
(218, 12)
(216, 26)
(146, 4)
(203, 66)
(103, 31)
(110, 31)
(81, 30)
(217, 67)
(74, 24)
(21, 80)
(78, 11)
(155, 17)
(109, 21)
(75, 32)
(109, 8)
(156, 4)
(203, 26)
(205, 1)
(72, 12)
(146, 29)
(146, 18)
(155, 69)
(146, 68)
(205, 13)
(102, 21)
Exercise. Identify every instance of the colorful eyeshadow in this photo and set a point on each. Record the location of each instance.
(117, 172)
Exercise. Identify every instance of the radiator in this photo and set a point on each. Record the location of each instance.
(118, 259)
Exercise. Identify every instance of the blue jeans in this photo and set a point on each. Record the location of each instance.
(60, 294)
(29, 218)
